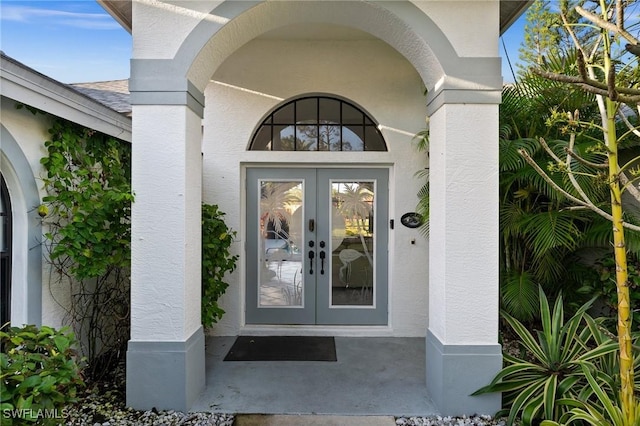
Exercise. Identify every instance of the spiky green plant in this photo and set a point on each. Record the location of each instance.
(604, 411)
(532, 387)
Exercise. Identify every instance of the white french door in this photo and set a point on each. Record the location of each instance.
(317, 246)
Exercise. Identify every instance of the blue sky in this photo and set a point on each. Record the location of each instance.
(70, 41)
(77, 41)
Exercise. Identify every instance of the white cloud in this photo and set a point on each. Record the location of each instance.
(26, 14)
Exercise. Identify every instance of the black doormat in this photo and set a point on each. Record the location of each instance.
(282, 348)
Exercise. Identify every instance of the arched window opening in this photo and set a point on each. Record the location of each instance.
(5, 254)
(318, 123)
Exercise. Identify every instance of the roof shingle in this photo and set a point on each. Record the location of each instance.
(113, 94)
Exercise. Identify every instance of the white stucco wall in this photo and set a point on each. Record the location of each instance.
(467, 31)
(367, 72)
(471, 26)
(166, 196)
(467, 202)
(30, 132)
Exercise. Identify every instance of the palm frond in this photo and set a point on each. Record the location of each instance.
(423, 208)
(552, 229)
(510, 158)
(519, 295)
(549, 269)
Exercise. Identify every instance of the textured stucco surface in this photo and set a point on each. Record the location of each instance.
(435, 43)
(250, 83)
(463, 306)
(165, 268)
(471, 26)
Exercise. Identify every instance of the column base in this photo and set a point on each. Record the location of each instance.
(454, 372)
(165, 375)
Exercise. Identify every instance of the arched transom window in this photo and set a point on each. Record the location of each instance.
(318, 123)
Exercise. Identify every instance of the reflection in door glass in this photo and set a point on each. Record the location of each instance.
(352, 243)
(280, 271)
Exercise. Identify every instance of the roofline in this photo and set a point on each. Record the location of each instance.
(121, 14)
(509, 16)
(28, 86)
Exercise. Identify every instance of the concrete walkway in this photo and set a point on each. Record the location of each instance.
(372, 377)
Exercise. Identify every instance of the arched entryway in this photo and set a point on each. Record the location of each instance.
(22, 234)
(171, 75)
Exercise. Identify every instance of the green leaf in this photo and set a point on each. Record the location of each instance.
(30, 382)
(527, 339)
(550, 389)
(62, 343)
(524, 398)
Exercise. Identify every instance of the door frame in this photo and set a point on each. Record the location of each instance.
(379, 312)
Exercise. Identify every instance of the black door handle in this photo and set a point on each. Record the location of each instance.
(312, 225)
(322, 256)
(311, 256)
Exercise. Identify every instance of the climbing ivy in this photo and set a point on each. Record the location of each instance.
(86, 214)
(88, 182)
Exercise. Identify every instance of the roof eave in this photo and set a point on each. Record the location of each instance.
(120, 10)
(510, 11)
(29, 87)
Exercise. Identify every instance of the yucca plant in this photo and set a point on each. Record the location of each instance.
(604, 411)
(532, 387)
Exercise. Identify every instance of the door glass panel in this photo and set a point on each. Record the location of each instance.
(352, 243)
(281, 234)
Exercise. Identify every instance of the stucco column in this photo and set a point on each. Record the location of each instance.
(165, 357)
(463, 353)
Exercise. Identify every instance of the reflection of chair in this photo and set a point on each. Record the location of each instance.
(277, 255)
(276, 241)
(280, 241)
(346, 257)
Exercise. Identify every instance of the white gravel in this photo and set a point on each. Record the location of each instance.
(450, 421)
(173, 418)
(129, 417)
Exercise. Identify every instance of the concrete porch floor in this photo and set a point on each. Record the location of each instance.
(372, 376)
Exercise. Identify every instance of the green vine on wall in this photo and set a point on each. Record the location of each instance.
(88, 182)
(87, 213)
(87, 240)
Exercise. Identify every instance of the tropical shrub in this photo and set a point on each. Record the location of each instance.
(39, 375)
(541, 238)
(598, 406)
(217, 261)
(533, 388)
(606, 285)
(86, 218)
